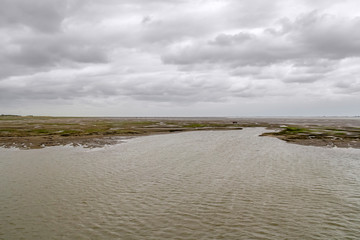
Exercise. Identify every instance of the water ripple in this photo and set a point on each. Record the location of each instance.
(200, 185)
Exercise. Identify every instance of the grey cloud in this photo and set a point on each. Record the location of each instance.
(48, 87)
(246, 71)
(348, 86)
(309, 37)
(289, 72)
(146, 19)
(322, 3)
(41, 52)
(196, 23)
(33, 38)
(183, 89)
(139, 87)
(226, 40)
(165, 22)
(316, 65)
(252, 13)
(309, 71)
(178, 52)
(144, 88)
(327, 35)
(41, 15)
(303, 78)
(160, 31)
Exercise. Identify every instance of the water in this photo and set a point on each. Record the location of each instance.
(196, 185)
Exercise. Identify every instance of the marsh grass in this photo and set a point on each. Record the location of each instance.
(58, 129)
(293, 133)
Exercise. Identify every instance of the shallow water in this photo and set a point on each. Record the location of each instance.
(195, 185)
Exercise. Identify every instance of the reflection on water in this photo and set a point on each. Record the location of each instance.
(197, 185)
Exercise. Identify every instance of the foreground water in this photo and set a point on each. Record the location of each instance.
(196, 185)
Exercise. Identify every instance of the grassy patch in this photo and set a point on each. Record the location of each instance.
(340, 133)
(294, 131)
(127, 132)
(7, 130)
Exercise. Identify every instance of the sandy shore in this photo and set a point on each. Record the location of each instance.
(38, 132)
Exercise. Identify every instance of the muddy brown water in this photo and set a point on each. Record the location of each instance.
(194, 185)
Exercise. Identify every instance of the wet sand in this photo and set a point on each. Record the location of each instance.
(37, 132)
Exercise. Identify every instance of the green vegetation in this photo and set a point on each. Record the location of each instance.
(295, 130)
(319, 135)
(340, 133)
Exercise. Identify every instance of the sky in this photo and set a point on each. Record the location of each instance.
(188, 58)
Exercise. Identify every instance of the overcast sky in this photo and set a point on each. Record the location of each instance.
(180, 57)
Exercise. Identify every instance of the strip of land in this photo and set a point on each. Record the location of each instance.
(30, 132)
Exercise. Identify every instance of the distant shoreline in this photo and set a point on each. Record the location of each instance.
(32, 132)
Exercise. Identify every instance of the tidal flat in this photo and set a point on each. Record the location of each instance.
(31, 132)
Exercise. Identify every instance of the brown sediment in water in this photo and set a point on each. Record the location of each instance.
(37, 132)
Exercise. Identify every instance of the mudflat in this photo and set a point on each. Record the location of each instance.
(29, 132)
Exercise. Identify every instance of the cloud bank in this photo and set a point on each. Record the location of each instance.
(179, 58)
